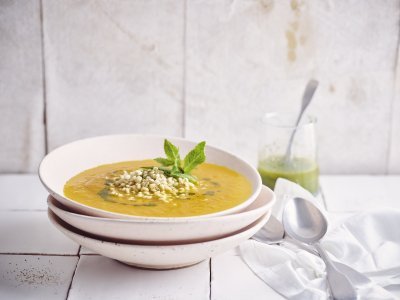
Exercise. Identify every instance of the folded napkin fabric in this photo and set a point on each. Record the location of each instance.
(368, 242)
(295, 275)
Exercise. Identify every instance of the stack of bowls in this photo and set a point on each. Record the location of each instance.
(149, 242)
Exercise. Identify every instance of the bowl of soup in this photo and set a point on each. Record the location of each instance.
(94, 176)
(164, 232)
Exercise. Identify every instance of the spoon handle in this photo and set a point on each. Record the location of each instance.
(341, 287)
(307, 96)
(300, 245)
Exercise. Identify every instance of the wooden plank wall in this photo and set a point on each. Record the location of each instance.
(201, 69)
(22, 136)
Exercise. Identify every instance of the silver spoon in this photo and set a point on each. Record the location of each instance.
(271, 233)
(274, 233)
(304, 222)
(307, 96)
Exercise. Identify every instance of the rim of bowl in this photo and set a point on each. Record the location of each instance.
(53, 219)
(253, 196)
(269, 204)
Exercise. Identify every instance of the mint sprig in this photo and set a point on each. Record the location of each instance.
(164, 161)
(194, 158)
(172, 153)
(181, 168)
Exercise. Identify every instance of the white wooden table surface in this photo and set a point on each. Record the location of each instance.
(38, 262)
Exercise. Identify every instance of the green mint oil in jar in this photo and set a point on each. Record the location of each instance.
(301, 167)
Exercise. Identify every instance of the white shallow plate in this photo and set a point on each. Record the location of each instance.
(158, 257)
(67, 161)
(178, 231)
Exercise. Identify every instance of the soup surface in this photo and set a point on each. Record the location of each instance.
(218, 188)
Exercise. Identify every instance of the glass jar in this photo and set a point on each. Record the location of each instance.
(297, 164)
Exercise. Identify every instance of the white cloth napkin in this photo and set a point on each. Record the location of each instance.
(368, 242)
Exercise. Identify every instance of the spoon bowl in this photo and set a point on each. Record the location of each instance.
(304, 222)
(272, 232)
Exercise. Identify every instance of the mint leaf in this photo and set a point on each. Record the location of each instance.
(164, 161)
(165, 170)
(172, 153)
(194, 158)
(176, 169)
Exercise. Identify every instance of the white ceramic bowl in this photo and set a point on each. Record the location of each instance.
(69, 160)
(178, 231)
(158, 257)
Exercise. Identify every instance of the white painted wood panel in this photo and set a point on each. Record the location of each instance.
(86, 251)
(113, 67)
(394, 150)
(45, 276)
(231, 279)
(22, 192)
(119, 67)
(360, 193)
(35, 277)
(245, 58)
(31, 232)
(99, 277)
(21, 87)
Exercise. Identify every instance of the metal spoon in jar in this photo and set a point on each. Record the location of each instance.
(307, 96)
(305, 223)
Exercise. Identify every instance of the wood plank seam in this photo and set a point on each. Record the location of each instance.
(37, 254)
(23, 210)
(73, 274)
(46, 144)
(184, 65)
(210, 285)
(392, 119)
